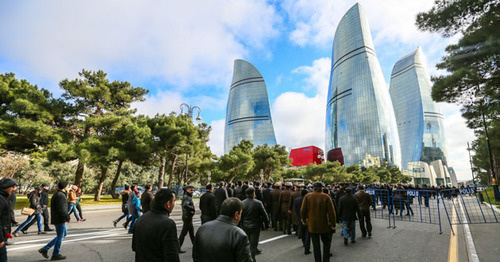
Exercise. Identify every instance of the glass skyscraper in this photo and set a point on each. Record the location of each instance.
(248, 115)
(360, 119)
(419, 120)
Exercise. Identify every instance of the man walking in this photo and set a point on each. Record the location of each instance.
(135, 210)
(72, 198)
(147, 198)
(59, 216)
(220, 195)
(348, 208)
(275, 205)
(303, 232)
(207, 205)
(253, 217)
(187, 216)
(230, 243)
(318, 213)
(7, 187)
(155, 234)
(285, 216)
(124, 193)
(365, 201)
(44, 202)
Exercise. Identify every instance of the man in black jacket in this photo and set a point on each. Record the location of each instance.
(348, 210)
(187, 216)
(147, 198)
(59, 217)
(155, 234)
(7, 187)
(207, 205)
(253, 217)
(230, 243)
(44, 202)
(220, 195)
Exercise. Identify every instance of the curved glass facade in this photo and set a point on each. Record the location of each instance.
(419, 120)
(360, 118)
(248, 115)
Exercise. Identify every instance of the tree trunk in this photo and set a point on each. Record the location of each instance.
(161, 172)
(171, 175)
(115, 180)
(104, 171)
(79, 173)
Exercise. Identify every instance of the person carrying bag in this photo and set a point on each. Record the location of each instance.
(35, 210)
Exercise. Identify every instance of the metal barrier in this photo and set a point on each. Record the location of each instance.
(460, 205)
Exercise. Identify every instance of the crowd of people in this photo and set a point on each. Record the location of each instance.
(232, 216)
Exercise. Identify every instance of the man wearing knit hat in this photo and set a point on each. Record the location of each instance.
(7, 186)
(59, 217)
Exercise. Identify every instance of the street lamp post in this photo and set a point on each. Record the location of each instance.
(189, 113)
(470, 160)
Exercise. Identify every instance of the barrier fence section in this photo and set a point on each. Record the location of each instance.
(466, 206)
(460, 206)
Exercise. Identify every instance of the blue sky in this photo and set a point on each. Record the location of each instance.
(183, 51)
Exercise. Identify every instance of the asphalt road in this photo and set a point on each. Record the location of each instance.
(97, 240)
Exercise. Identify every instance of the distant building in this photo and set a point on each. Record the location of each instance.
(371, 161)
(359, 116)
(306, 155)
(248, 115)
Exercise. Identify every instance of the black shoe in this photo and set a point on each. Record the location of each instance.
(43, 252)
(48, 229)
(258, 251)
(182, 251)
(125, 225)
(370, 234)
(307, 252)
(15, 224)
(353, 241)
(114, 223)
(24, 232)
(58, 257)
(363, 236)
(345, 241)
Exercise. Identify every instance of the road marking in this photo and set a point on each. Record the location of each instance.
(275, 238)
(469, 241)
(67, 241)
(69, 235)
(453, 248)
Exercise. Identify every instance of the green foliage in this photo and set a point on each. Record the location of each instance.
(269, 159)
(481, 158)
(238, 163)
(473, 64)
(27, 116)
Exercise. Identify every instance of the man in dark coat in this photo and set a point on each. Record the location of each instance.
(7, 187)
(284, 203)
(365, 201)
(155, 234)
(220, 195)
(207, 205)
(238, 192)
(147, 198)
(58, 216)
(44, 202)
(266, 196)
(187, 216)
(303, 232)
(318, 213)
(275, 205)
(258, 192)
(295, 220)
(348, 210)
(253, 217)
(229, 243)
(12, 200)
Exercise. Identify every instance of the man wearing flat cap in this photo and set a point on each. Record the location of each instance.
(318, 214)
(7, 186)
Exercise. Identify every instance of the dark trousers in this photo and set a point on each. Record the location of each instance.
(364, 219)
(253, 237)
(186, 227)
(79, 208)
(306, 238)
(326, 238)
(3, 254)
(46, 220)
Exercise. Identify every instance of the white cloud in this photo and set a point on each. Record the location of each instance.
(162, 103)
(457, 135)
(216, 142)
(299, 120)
(180, 42)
